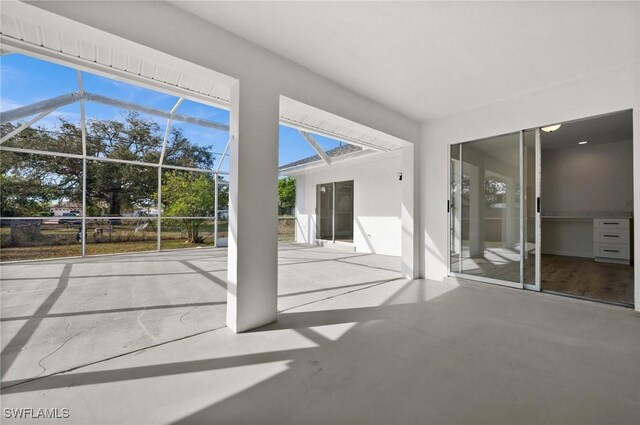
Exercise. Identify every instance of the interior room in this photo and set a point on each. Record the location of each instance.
(587, 208)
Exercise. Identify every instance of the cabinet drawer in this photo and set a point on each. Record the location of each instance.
(611, 236)
(620, 251)
(611, 223)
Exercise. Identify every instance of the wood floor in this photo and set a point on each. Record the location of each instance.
(579, 276)
(587, 278)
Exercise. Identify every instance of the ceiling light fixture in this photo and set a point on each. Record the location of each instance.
(551, 128)
(584, 142)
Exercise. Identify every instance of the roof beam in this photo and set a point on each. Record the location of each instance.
(39, 107)
(167, 129)
(154, 111)
(66, 99)
(26, 125)
(224, 153)
(309, 138)
(350, 140)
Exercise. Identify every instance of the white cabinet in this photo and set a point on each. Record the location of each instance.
(611, 241)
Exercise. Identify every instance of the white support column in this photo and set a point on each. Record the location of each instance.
(409, 215)
(252, 280)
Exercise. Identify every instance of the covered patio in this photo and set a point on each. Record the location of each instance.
(59, 315)
(371, 349)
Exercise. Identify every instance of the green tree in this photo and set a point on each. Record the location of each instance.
(186, 194)
(134, 138)
(286, 194)
(31, 182)
(223, 195)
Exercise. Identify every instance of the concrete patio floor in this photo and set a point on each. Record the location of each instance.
(61, 314)
(372, 348)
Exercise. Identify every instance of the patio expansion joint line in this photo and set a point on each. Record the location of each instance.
(37, 378)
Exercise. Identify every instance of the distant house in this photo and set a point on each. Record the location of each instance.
(67, 207)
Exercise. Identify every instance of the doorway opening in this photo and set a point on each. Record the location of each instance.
(547, 209)
(334, 209)
(587, 208)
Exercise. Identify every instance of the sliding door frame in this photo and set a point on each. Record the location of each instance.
(459, 273)
(450, 206)
(536, 286)
(523, 208)
(333, 212)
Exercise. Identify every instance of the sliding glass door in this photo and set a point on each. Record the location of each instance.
(343, 217)
(531, 190)
(496, 204)
(324, 211)
(485, 210)
(334, 211)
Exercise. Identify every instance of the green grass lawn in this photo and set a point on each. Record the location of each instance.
(75, 250)
(58, 241)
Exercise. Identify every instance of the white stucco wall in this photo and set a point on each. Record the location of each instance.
(377, 202)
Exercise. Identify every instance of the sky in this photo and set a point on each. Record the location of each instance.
(25, 80)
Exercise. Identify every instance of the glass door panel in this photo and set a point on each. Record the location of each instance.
(324, 211)
(455, 209)
(490, 209)
(344, 211)
(531, 182)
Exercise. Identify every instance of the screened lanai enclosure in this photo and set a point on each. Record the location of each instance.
(92, 165)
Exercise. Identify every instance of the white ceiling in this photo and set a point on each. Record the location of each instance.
(433, 59)
(598, 130)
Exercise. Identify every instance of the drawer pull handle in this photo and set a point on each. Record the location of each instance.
(612, 236)
(611, 250)
(611, 223)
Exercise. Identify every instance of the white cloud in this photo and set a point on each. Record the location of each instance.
(8, 104)
(10, 74)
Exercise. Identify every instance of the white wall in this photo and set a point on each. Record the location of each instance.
(588, 179)
(615, 90)
(377, 202)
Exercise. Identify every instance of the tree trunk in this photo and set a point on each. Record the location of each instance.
(192, 227)
(114, 203)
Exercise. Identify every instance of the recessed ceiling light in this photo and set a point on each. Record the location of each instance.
(584, 142)
(551, 128)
